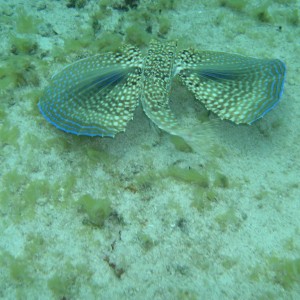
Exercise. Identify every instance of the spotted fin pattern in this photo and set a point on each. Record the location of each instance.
(97, 96)
(236, 88)
(157, 77)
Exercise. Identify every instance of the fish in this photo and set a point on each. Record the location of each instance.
(97, 96)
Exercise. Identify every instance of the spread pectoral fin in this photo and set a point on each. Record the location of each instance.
(236, 88)
(95, 96)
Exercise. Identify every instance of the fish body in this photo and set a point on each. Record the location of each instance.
(97, 96)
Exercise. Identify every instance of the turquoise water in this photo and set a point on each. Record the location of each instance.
(143, 215)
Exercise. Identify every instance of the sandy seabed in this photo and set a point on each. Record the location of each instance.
(234, 234)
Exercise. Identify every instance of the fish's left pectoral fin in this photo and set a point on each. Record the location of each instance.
(236, 88)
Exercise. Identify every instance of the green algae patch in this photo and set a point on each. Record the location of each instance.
(97, 210)
(9, 135)
(286, 271)
(221, 181)
(137, 36)
(21, 45)
(3, 113)
(34, 97)
(167, 4)
(146, 242)
(228, 262)
(146, 181)
(26, 23)
(21, 195)
(4, 202)
(95, 155)
(203, 199)
(142, 183)
(180, 144)
(60, 143)
(37, 190)
(164, 26)
(109, 41)
(290, 245)
(188, 176)
(14, 181)
(67, 282)
(35, 193)
(33, 141)
(261, 195)
(294, 17)
(186, 295)
(18, 71)
(59, 286)
(238, 5)
(75, 45)
(76, 3)
(262, 12)
(19, 270)
(228, 219)
(35, 245)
